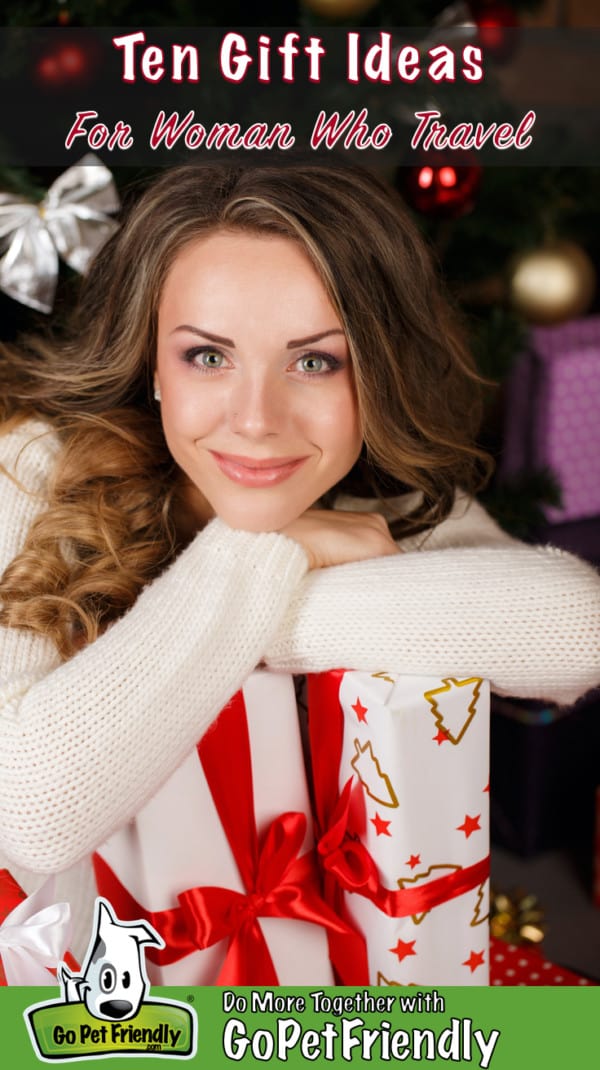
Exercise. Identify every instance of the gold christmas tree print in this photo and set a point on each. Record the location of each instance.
(478, 916)
(383, 980)
(382, 676)
(376, 783)
(431, 873)
(454, 705)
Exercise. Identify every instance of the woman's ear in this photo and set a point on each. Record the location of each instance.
(157, 394)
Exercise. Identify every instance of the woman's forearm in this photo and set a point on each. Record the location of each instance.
(84, 745)
(526, 618)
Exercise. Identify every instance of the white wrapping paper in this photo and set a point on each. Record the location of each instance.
(177, 841)
(420, 748)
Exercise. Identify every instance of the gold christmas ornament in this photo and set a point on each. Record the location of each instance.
(340, 9)
(552, 284)
(516, 917)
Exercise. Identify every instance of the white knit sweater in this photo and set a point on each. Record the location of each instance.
(83, 745)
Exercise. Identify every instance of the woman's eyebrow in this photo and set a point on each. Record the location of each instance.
(297, 342)
(204, 334)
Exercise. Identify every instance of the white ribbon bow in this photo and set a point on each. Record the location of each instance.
(35, 936)
(70, 221)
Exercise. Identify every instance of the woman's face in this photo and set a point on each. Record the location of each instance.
(257, 399)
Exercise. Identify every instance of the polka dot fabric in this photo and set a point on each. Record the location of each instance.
(517, 965)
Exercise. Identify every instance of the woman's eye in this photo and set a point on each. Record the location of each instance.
(205, 358)
(312, 364)
(315, 364)
(210, 358)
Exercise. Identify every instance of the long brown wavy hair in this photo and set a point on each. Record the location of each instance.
(115, 513)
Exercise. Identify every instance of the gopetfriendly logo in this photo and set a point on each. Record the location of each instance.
(105, 1010)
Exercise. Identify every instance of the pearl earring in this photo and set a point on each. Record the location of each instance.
(157, 395)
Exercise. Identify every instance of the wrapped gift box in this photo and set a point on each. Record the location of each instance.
(34, 934)
(221, 860)
(552, 407)
(400, 769)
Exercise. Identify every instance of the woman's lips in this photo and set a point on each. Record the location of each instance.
(253, 473)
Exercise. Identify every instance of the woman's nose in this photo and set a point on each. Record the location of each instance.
(256, 407)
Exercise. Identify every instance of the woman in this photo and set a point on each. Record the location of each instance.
(250, 343)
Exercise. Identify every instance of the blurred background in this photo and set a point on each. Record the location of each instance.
(520, 250)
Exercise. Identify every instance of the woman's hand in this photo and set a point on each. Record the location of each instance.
(337, 536)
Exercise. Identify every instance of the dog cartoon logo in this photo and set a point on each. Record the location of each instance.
(113, 982)
(107, 1009)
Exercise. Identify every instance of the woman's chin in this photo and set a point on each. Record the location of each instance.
(259, 521)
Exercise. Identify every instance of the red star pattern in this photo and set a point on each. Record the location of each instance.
(414, 860)
(360, 711)
(440, 737)
(475, 959)
(469, 825)
(403, 948)
(382, 828)
(487, 787)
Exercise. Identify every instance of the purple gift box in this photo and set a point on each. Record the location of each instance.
(553, 414)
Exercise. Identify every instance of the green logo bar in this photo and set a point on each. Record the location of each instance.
(61, 1031)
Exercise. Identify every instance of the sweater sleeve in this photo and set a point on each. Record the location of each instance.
(466, 599)
(84, 744)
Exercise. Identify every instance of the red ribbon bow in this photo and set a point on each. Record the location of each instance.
(342, 853)
(346, 863)
(279, 882)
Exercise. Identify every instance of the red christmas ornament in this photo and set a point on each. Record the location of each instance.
(63, 17)
(69, 64)
(441, 186)
(496, 26)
